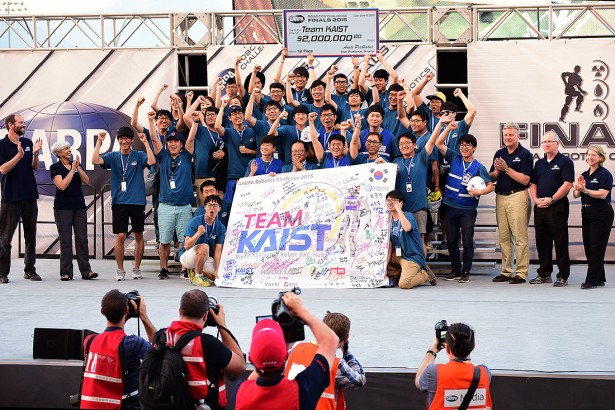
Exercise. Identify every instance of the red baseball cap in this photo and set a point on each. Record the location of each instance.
(268, 348)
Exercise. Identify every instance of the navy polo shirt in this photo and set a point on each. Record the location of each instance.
(181, 175)
(205, 141)
(388, 149)
(131, 167)
(261, 128)
(391, 121)
(413, 171)
(520, 160)
(410, 242)
(288, 134)
(600, 179)
(549, 176)
(19, 183)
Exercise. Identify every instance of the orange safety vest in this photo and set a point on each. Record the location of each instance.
(454, 379)
(300, 358)
(103, 382)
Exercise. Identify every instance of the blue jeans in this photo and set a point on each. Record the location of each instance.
(465, 220)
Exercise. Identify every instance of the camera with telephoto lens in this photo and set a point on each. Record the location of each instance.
(133, 295)
(441, 328)
(213, 305)
(292, 327)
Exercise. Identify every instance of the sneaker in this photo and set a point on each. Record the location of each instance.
(465, 277)
(137, 274)
(501, 278)
(443, 246)
(515, 280)
(453, 276)
(541, 279)
(4, 279)
(391, 282)
(428, 246)
(32, 276)
(433, 281)
(200, 280)
(164, 274)
(120, 274)
(560, 283)
(588, 285)
(89, 275)
(184, 274)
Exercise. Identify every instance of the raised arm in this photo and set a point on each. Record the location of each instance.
(277, 78)
(469, 106)
(189, 146)
(191, 109)
(356, 73)
(134, 120)
(328, 78)
(151, 159)
(96, 159)
(218, 125)
(355, 142)
(154, 132)
(310, 68)
(416, 93)
(361, 84)
(388, 67)
(441, 137)
(290, 99)
(273, 131)
(409, 108)
(240, 90)
(250, 107)
(401, 111)
(176, 106)
(319, 151)
(154, 105)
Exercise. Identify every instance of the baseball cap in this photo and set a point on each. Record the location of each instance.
(234, 108)
(268, 349)
(174, 136)
(437, 96)
(125, 132)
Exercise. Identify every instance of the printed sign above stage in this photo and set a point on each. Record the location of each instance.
(300, 229)
(331, 32)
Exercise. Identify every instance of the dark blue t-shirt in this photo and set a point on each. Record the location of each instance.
(223, 215)
(237, 162)
(412, 180)
(129, 167)
(549, 176)
(410, 242)
(19, 183)
(213, 235)
(179, 175)
(72, 196)
(205, 141)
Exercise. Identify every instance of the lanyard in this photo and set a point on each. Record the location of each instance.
(465, 169)
(268, 165)
(214, 141)
(241, 135)
(326, 138)
(125, 167)
(207, 234)
(410, 165)
(299, 95)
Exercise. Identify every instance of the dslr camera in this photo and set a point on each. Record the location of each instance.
(213, 305)
(441, 327)
(292, 326)
(133, 295)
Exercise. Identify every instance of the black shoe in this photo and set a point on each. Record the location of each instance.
(588, 285)
(64, 277)
(453, 276)
(465, 277)
(32, 276)
(4, 279)
(442, 246)
(184, 274)
(515, 280)
(501, 278)
(541, 279)
(89, 275)
(164, 274)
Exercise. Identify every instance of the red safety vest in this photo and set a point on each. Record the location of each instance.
(194, 361)
(454, 379)
(301, 357)
(282, 396)
(103, 383)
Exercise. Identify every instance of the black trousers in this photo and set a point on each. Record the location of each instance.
(10, 214)
(551, 226)
(68, 221)
(596, 223)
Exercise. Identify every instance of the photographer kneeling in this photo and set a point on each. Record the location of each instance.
(448, 384)
(266, 388)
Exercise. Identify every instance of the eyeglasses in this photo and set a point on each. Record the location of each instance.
(335, 145)
(296, 151)
(466, 146)
(372, 142)
(272, 109)
(327, 115)
(212, 206)
(163, 118)
(235, 113)
(392, 201)
(211, 114)
(341, 82)
(447, 112)
(417, 121)
(548, 142)
(406, 144)
(275, 91)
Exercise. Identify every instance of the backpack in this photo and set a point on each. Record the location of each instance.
(162, 375)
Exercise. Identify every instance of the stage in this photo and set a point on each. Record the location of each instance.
(523, 332)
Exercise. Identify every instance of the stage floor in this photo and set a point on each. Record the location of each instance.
(519, 328)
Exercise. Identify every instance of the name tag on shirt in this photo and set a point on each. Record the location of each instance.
(172, 184)
(123, 186)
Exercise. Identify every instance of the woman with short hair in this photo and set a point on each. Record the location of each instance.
(70, 212)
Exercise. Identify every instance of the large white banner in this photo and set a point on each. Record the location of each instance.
(323, 228)
(567, 87)
(412, 63)
(331, 32)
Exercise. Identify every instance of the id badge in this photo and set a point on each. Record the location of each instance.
(172, 184)
(466, 179)
(275, 155)
(123, 186)
(397, 251)
(408, 186)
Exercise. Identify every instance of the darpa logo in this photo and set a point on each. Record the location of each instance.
(296, 19)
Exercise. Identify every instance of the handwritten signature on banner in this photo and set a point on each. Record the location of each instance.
(322, 228)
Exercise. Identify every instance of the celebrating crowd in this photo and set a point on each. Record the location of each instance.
(203, 145)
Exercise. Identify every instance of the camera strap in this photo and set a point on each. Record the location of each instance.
(468, 397)
(85, 360)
